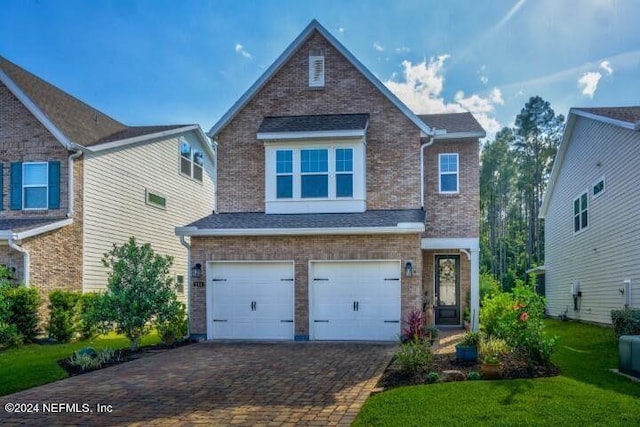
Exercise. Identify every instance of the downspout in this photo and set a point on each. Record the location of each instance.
(70, 160)
(422, 147)
(188, 281)
(25, 256)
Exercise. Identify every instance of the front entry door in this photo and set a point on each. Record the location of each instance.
(447, 295)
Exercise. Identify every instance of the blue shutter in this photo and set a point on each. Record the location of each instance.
(54, 185)
(1, 188)
(16, 186)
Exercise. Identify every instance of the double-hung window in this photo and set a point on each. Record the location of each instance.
(448, 173)
(344, 172)
(191, 161)
(581, 212)
(35, 185)
(284, 174)
(314, 173)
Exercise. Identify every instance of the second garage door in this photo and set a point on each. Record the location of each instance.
(250, 300)
(354, 300)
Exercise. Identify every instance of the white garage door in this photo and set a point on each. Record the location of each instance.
(355, 300)
(250, 300)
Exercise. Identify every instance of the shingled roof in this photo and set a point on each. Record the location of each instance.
(80, 123)
(455, 124)
(315, 123)
(629, 115)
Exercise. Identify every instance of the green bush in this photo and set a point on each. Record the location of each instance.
(62, 314)
(9, 335)
(20, 308)
(414, 357)
(496, 314)
(89, 316)
(172, 323)
(626, 321)
(489, 285)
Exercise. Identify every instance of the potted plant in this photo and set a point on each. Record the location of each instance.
(431, 333)
(491, 367)
(467, 349)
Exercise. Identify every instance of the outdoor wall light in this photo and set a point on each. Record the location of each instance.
(408, 268)
(196, 271)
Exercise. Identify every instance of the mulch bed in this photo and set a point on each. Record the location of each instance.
(124, 355)
(513, 366)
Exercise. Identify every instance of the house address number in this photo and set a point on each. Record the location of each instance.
(198, 284)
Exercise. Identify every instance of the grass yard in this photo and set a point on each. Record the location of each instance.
(585, 394)
(34, 364)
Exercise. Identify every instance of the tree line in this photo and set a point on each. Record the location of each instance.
(515, 168)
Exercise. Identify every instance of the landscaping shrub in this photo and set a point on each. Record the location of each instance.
(172, 323)
(414, 325)
(20, 308)
(62, 314)
(414, 357)
(9, 335)
(626, 321)
(494, 345)
(89, 316)
(495, 315)
(139, 288)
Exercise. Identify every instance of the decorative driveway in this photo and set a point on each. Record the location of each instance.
(214, 383)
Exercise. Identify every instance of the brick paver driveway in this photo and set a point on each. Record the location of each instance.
(215, 383)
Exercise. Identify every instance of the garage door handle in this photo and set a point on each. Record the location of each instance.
(321, 321)
(218, 280)
(219, 320)
(392, 278)
(286, 321)
(391, 321)
(286, 280)
(317, 279)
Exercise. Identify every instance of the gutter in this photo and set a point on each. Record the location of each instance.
(187, 282)
(401, 228)
(25, 256)
(70, 194)
(422, 147)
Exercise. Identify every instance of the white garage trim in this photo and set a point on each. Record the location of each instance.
(335, 313)
(233, 315)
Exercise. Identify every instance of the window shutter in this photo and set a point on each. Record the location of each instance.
(316, 71)
(16, 186)
(1, 188)
(54, 185)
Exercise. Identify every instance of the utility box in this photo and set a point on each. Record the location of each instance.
(629, 355)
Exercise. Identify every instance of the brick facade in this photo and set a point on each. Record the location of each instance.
(393, 141)
(302, 249)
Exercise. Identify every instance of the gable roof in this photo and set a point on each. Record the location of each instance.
(455, 125)
(314, 26)
(624, 117)
(322, 125)
(74, 123)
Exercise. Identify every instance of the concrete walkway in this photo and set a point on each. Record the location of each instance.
(214, 383)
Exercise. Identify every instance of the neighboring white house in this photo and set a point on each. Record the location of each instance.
(592, 211)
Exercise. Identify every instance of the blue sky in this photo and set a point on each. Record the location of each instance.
(157, 62)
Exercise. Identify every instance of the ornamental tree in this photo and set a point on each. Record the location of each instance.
(139, 289)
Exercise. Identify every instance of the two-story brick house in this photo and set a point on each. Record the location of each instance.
(339, 210)
(74, 181)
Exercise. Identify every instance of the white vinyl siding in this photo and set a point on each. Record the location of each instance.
(115, 203)
(609, 253)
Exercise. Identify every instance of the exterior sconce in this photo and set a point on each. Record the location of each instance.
(196, 271)
(408, 268)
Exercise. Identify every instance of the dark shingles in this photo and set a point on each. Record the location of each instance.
(135, 131)
(625, 114)
(21, 224)
(322, 122)
(452, 122)
(252, 220)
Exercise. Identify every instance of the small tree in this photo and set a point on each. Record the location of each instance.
(139, 288)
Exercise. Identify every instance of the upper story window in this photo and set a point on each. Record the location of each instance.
(316, 71)
(35, 185)
(314, 173)
(598, 188)
(191, 161)
(344, 172)
(284, 174)
(448, 173)
(581, 212)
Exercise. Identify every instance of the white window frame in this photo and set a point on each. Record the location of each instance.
(350, 172)
(580, 211)
(456, 173)
(330, 172)
(149, 202)
(604, 187)
(25, 186)
(191, 160)
(279, 174)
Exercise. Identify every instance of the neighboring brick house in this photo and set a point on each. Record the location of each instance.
(74, 181)
(592, 233)
(323, 228)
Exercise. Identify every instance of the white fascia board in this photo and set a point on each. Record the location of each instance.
(460, 135)
(39, 230)
(288, 53)
(36, 111)
(129, 141)
(5, 234)
(472, 243)
(279, 136)
(620, 123)
(407, 228)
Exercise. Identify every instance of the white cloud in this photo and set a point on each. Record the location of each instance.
(606, 65)
(421, 86)
(588, 83)
(377, 46)
(509, 15)
(241, 50)
(484, 79)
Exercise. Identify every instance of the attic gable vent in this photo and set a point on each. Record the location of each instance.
(316, 71)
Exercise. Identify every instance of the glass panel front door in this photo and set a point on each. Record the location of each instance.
(447, 289)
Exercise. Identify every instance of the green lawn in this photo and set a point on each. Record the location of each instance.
(32, 365)
(586, 393)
